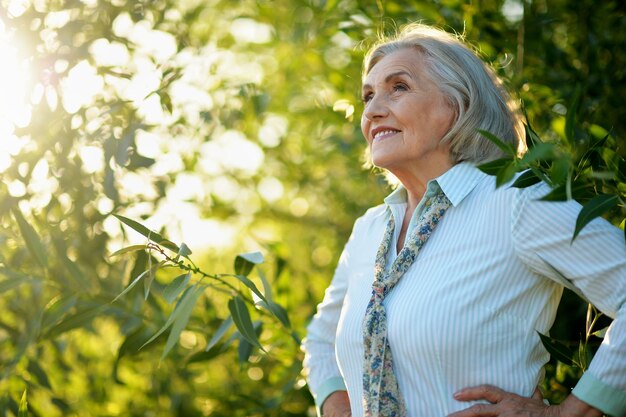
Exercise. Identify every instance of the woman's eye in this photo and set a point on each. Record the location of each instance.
(400, 87)
(367, 97)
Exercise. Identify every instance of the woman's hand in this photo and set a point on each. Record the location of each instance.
(337, 405)
(507, 404)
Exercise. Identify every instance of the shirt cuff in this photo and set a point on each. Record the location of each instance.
(328, 387)
(600, 395)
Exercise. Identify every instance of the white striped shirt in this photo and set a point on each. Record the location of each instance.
(467, 312)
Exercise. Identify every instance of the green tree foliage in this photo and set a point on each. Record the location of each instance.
(233, 126)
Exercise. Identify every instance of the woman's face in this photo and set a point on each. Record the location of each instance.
(405, 117)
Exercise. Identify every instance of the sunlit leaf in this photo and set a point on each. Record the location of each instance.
(557, 349)
(267, 288)
(147, 282)
(248, 283)
(244, 262)
(128, 249)
(138, 227)
(174, 288)
(55, 311)
(23, 410)
(219, 333)
(168, 244)
(594, 208)
(184, 250)
(132, 284)
(32, 239)
(601, 333)
(241, 317)
(189, 292)
(182, 318)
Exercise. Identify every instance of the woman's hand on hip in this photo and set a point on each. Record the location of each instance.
(507, 404)
(337, 404)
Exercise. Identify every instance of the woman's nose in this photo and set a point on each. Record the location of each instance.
(375, 108)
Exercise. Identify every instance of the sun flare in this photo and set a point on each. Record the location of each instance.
(14, 85)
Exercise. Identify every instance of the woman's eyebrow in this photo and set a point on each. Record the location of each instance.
(389, 77)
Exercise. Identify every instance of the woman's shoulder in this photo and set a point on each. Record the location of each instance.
(372, 218)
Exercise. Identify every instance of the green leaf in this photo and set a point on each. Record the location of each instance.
(80, 319)
(14, 280)
(244, 262)
(56, 310)
(560, 170)
(181, 320)
(32, 239)
(245, 347)
(507, 148)
(177, 310)
(506, 174)
(540, 153)
(174, 288)
(248, 283)
(132, 284)
(280, 313)
(267, 289)
(559, 193)
(147, 283)
(138, 227)
(532, 139)
(168, 244)
(128, 249)
(594, 208)
(35, 370)
(23, 410)
(600, 333)
(78, 277)
(493, 167)
(242, 320)
(184, 250)
(526, 179)
(558, 350)
(219, 333)
(131, 345)
(570, 117)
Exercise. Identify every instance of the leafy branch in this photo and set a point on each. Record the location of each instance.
(186, 292)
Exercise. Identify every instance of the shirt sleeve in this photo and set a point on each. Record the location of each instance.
(595, 263)
(320, 363)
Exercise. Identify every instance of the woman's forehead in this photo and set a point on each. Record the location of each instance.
(404, 61)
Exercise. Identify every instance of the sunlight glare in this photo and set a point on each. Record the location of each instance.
(14, 84)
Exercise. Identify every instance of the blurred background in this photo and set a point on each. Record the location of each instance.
(231, 126)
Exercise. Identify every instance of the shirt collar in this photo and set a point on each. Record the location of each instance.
(456, 183)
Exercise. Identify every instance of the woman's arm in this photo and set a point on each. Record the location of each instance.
(337, 404)
(320, 363)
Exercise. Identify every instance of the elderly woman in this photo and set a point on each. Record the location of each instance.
(439, 294)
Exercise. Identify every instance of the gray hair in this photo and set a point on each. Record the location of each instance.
(474, 91)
